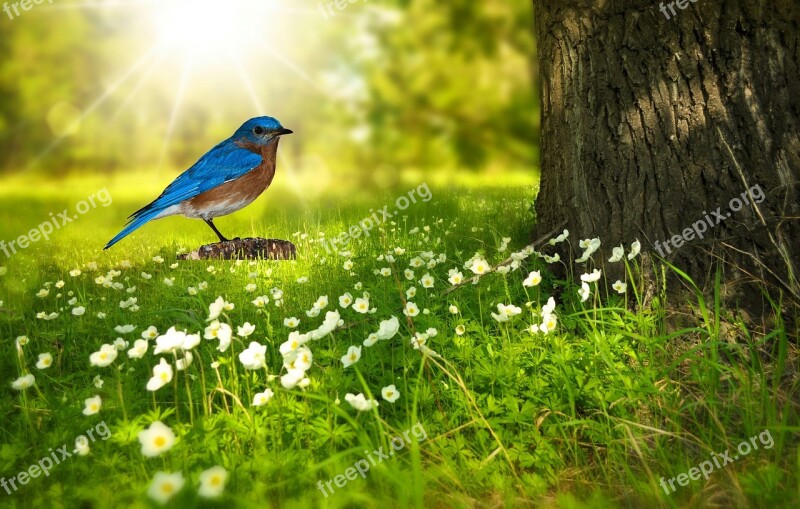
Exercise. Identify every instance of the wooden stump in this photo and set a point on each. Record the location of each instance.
(247, 249)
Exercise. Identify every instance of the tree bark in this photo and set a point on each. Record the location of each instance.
(244, 249)
(649, 124)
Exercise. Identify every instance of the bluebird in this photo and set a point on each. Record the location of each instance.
(228, 178)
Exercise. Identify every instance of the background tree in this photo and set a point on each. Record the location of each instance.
(650, 123)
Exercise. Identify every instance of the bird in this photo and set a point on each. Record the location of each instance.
(226, 179)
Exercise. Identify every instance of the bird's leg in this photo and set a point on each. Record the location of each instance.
(210, 222)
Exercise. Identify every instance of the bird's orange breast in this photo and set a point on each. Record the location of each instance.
(239, 193)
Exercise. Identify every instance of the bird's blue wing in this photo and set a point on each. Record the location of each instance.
(223, 163)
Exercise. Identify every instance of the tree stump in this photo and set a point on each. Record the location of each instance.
(247, 249)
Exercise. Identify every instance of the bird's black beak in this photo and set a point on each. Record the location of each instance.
(282, 131)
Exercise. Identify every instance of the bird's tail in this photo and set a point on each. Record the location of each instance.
(137, 220)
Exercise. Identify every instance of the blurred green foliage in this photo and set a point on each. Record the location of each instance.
(378, 88)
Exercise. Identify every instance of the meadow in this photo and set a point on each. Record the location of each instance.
(362, 378)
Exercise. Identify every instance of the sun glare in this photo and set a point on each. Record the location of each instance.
(209, 28)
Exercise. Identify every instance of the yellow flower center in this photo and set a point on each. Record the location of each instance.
(167, 488)
(160, 441)
(215, 480)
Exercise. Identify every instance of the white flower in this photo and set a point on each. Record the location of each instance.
(164, 486)
(388, 328)
(548, 324)
(254, 357)
(409, 274)
(92, 405)
(386, 271)
(312, 313)
(453, 309)
(616, 254)
(120, 344)
(250, 288)
(411, 292)
(360, 403)
(505, 312)
(427, 281)
(302, 280)
(182, 364)
(411, 309)
(43, 293)
(220, 331)
(419, 340)
(361, 305)
(635, 248)
(560, 238)
(169, 342)
(150, 333)
(169, 281)
(584, 292)
(162, 375)
(455, 277)
(371, 340)
(79, 311)
(156, 439)
(460, 330)
(480, 266)
(390, 394)
(348, 265)
(352, 356)
(292, 378)
(124, 329)
(98, 382)
(104, 356)
(550, 307)
(45, 361)
(23, 382)
(620, 287)
(533, 279)
(245, 330)
(590, 246)
(263, 397)
(321, 303)
(591, 278)
(138, 350)
(261, 301)
(345, 300)
(215, 309)
(212, 481)
(190, 341)
(291, 322)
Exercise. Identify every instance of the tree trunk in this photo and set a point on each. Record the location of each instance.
(652, 126)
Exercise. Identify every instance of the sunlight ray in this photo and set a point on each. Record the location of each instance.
(293, 66)
(185, 72)
(102, 98)
(248, 84)
(142, 80)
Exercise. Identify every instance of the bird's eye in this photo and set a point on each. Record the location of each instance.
(258, 130)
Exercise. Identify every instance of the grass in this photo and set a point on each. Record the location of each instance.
(592, 414)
